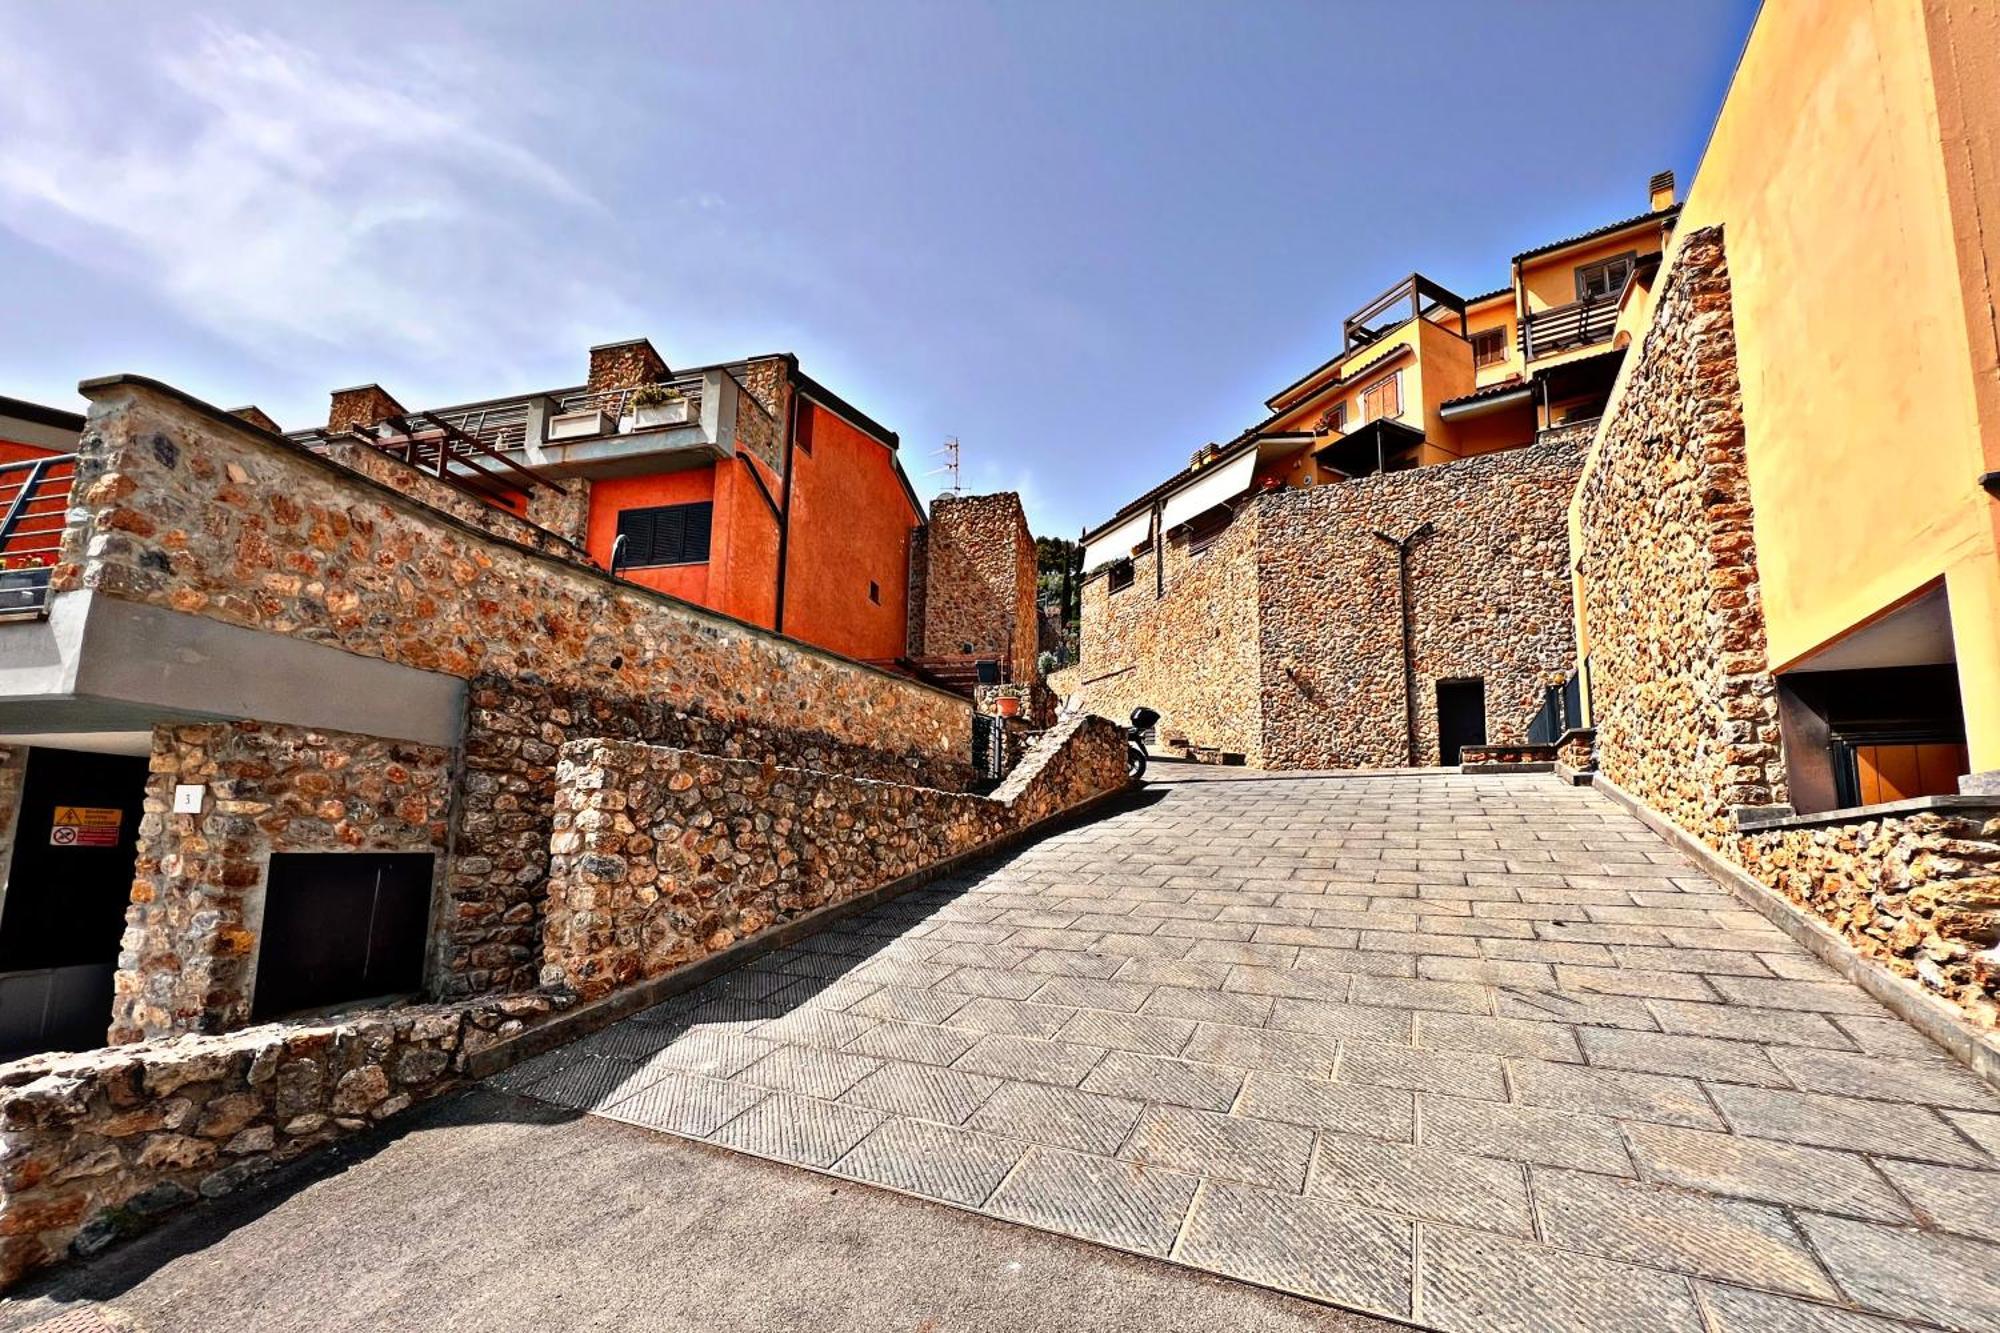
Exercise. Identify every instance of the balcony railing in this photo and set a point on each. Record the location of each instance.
(613, 402)
(1567, 327)
(34, 507)
(504, 426)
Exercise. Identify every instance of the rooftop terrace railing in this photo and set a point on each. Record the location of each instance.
(34, 507)
(1564, 328)
(614, 403)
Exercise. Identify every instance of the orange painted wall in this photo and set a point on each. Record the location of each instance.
(745, 581)
(851, 523)
(13, 451)
(610, 495)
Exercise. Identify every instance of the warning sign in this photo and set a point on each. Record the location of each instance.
(85, 826)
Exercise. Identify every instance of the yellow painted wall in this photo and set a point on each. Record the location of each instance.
(1826, 172)
(1551, 281)
(1498, 314)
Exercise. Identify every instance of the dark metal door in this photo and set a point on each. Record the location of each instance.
(341, 926)
(1461, 717)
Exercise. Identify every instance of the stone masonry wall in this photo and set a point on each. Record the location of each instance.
(979, 560)
(515, 730)
(100, 1144)
(399, 475)
(1190, 654)
(1918, 892)
(663, 856)
(1489, 598)
(189, 952)
(1683, 701)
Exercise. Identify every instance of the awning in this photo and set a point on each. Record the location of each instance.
(1210, 488)
(1373, 447)
(1486, 400)
(1117, 543)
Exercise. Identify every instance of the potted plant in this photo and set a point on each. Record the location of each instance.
(654, 405)
(1009, 705)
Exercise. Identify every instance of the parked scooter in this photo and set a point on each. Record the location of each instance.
(1143, 720)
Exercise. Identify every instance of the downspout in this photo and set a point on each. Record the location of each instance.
(1159, 554)
(1404, 599)
(785, 503)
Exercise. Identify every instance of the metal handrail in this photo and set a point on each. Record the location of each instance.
(36, 493)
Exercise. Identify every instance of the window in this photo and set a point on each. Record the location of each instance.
(874, 592)
(1489, 347)
(1121, 576)
(1203, 529)
(667, 535)
(1604, 279)
(1384, 398)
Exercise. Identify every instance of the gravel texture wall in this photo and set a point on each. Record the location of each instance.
(663, 856)
(186, 961)
(1683, 701)
(1283, 640)
(978, 582)
(99, 1144)
(1918, 892)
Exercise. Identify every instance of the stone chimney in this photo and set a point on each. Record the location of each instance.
(625, 365)
(361, 406)
(257, 417)
(1662, 187)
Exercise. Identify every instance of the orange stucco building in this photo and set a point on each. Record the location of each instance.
(746, 487)
(1425, 376)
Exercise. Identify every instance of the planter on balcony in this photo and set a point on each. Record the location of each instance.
(578, 425)
(650, 416)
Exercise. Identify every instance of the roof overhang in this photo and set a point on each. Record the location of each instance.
(1479, 404)
(1367, 448)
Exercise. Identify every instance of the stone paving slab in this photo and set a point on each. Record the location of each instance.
(1483, 1054)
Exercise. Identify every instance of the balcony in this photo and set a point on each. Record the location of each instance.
(34, 507)
(1415, 297)
(1565, 328)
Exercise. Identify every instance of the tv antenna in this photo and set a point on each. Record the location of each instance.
(950, 454)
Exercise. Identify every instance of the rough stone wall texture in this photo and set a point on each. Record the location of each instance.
(96, 1145)
(1282, 641)
(189, 951)
(515, 730)
(398, 475)
(1682, 697)
(624, 366)
(761, 412)
(564, 511)
(178, 509)
(174, 508)
(768, 380)
(1489, 598)
(362, 406)
(1918, 892)
(980, 581)
(919, 581)
(1190, 653)
(664, 856)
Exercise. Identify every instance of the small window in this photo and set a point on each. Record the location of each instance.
(1121, 576)
(1384, 398)
(665, 535)
(1205, 528)
(1605, 279)
(1334, 418)
(1489, 347)
(874, 592)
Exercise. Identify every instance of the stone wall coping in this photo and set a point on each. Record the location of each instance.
(1755, 819)
(92, 388)
(1938, 1019)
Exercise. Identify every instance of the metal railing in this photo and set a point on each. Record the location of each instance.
(1578, 324)
(504, 426)
(612, 402)
(34, 508)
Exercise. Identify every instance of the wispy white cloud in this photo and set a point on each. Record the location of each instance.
(290, 200)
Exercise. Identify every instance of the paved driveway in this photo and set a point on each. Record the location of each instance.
(1482, 1053)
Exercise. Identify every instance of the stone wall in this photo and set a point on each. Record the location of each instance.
(189, 952)
(664, 856)
(564, 511)
(1917, 891)
(1282, 641)
(979, 581)
(101, 1144)
(624, 365)
(1489, 591)
(1190, 652)
(1681, 694)
(515, 730)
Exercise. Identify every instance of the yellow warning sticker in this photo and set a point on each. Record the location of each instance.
(89, 816)
(85, 826)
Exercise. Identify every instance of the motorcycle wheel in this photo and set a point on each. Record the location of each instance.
(1135, 762)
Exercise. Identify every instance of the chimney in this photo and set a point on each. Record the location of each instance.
(1662, 187)
(625, 365)
(361, 406)
(257, 417)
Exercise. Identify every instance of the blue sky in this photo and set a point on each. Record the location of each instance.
(1084, 238)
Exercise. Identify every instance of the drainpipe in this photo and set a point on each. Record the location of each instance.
(1159, 555)
(1403, 599)
(785, 504)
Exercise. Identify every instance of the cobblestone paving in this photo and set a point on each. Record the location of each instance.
(1480, 1053)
